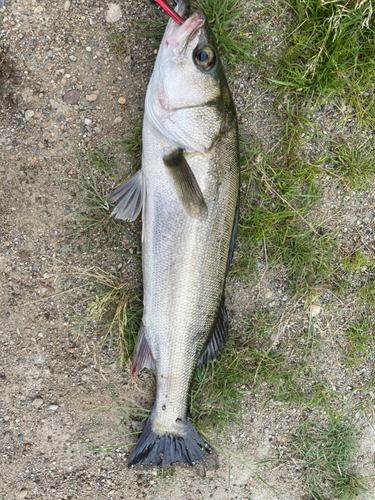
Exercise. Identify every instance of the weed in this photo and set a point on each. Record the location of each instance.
(329, 51)
(96, 218)
(114, 312)
(133, 146)
(326, 454)
(282, 191)
(234, 34)
(353, 164)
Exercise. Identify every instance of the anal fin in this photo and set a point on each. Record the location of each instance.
(143, 357)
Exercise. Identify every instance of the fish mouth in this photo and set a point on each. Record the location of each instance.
(178, 37)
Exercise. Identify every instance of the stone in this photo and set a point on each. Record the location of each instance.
(38, 359)
(88, 121)
(122, 100)
(114, 13)
(97, 130)
(72, 58)
(66, 5)
(29, 114)
(53, 407)
(24, 255)
(268, 294)
(38, 10)
(63, 81)
(22, 493)
(315, 310)
(71, 97)
(50, 54)
(91, 97)
(54, 104)
(117, 120)
(38, 402)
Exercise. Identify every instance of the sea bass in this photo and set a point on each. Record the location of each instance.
(187, 190)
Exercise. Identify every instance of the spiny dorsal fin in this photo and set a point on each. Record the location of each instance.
(185, 184)
(130, 195)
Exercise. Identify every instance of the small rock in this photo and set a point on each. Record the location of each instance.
(24, 255)
(72, 58)
(88, 49)
(97, 130)
(268, 294)
(53, 407)
(22, 493)
(114, 13)
(38, 402)
(6, 418)
(117, 120)
(54, 104)
(122, 100)
(29, 114)
(71, 97)
(88, 121)
(38, 359)
(91, 97)
(38, 10)
(27, 331)
(50, 54)
(315, 310)
(63, 81)
(66, 5)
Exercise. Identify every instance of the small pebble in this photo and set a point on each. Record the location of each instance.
(29, 114)
(53, 407)
(67, 5)
(50, 54)
(117, 120)
(72, 58)
(71, 97)
(88, 121)
(114, 13)
(54, 104)
(315, 310)
(91, 97)
(122, 100)
(38, 10)
(38, 402)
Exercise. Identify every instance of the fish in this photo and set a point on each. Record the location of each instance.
(188, 192)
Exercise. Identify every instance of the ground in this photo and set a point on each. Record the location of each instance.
(58, 400)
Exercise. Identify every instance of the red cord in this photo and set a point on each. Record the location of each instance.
(163, 4)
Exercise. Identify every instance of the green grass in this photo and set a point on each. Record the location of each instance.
(329, 51)
(114, 312)
(353, 164)
(275, 219)
(326, 454)
(236, 36)
(95, 218)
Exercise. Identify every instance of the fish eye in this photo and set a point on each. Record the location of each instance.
(205, 58)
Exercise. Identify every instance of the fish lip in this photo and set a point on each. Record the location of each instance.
(179, 36)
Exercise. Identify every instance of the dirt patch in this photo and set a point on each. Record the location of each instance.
(56, 407)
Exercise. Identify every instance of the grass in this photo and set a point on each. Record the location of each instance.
(95, 219)
(235, 35)
(326, 454)
(329, 51)
(282, 192)
(114, 312)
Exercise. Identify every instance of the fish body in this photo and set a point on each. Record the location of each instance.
(188, 192)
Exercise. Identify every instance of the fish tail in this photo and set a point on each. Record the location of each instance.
(161, 449)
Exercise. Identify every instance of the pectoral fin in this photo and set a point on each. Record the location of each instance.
(185, 184)
(130, 197)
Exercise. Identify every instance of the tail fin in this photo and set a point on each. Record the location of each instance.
(156, 449)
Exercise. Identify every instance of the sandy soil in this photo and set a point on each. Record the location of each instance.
(49, 381)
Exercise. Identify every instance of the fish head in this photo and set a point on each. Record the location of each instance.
(188, 97)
